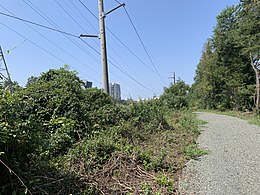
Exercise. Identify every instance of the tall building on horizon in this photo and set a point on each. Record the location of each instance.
(115, 91)
(87, 84)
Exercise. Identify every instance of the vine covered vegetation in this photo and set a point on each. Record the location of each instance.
(58, 137)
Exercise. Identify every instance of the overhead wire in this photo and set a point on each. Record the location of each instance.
(121, 42)
(82, 28)
(118, 2)
(82, 15)
(69, 34)
(46, 18)
(116, 66)
(49, 41)
(70, 15)
(128, 75)
(36, 24)
(127, 83)
(46, 37)
(53, 55)
(88, 9)
(110, 62)
(133, 53)
(117, 37)
(17, 46)
(125, 63)
(144, 47)
(99, 54)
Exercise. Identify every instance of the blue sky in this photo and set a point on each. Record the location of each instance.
(172, 31)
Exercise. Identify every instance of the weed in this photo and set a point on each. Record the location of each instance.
(146, 189)
(192, 151)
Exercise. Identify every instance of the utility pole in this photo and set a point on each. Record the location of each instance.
(103, 47)
(173, 77)
(4, 73)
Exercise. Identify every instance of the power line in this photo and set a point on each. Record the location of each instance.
(99, 54)
(26, 21)
(43, 49)
(70, 15)
(127, 83)
(83, 16)
(46, 18)
(117, 2)
(88, 9)
(129, 76)
(117, 54)
(133, 53)
(114, 35)
(74, 20)
(139, 37)
(36, 24)
(46, 39)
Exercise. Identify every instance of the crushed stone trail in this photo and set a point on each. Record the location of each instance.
(232, 166)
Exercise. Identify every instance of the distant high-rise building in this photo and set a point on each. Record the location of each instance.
(88, 84)
(115, 91)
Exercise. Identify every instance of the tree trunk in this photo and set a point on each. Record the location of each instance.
(257, 87)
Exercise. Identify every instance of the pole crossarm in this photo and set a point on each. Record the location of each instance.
(102, 38)
(121, 5)
(90, 36)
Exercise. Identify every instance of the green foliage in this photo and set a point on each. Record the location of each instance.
(164, 181)
(192, 151)
(62, 138)
(45, 119)
(146, 188)
(224, 76)
(176, 96)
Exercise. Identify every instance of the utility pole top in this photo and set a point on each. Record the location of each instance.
(102, 37)
(173, 77)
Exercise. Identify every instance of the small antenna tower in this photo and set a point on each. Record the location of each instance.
(5, 79)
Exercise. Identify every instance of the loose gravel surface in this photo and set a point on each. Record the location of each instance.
(233, 163)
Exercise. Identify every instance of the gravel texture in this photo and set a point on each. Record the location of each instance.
(233, 163)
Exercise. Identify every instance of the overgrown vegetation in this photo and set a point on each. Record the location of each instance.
(227, 76)
(56, 137)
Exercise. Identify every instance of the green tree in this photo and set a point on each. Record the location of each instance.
(248, 36)
(224, 77)
(203, 89)
(176, 96)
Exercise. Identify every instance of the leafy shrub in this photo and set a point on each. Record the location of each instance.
(62, 138)
(45, 119)
(176, 96)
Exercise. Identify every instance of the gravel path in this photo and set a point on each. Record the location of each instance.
(232, 166)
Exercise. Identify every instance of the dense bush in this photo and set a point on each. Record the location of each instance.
(176, 96)
(45, 119)
(58, 137)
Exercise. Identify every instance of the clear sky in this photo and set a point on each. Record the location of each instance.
(172, 31)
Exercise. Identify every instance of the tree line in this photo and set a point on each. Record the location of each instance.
(227, 76)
